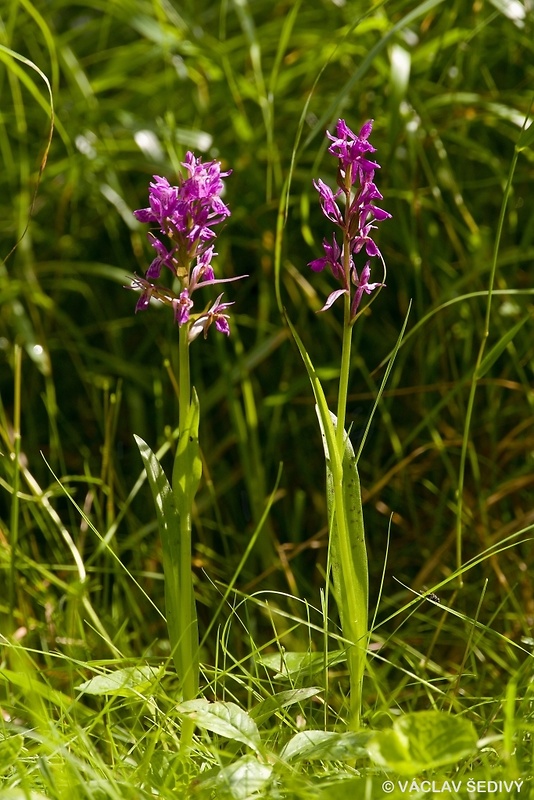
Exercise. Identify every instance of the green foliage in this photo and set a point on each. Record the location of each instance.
(347, 548)
(128, 682)
(325, 746)
(226, 719)
(423, 741)
(133, 85)
(169, 506)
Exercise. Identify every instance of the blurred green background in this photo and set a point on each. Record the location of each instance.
(256, 84)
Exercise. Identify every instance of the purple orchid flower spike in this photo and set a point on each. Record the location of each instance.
(186, 214)
(359, 221)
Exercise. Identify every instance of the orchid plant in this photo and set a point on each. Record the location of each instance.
(351, 208)
(185, 215)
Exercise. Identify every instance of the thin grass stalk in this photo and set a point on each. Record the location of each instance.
(14, 516)
(476, 376)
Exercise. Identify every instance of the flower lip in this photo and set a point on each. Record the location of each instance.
(182, 305)
(216, 314)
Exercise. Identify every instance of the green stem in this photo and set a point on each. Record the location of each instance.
(348, 520)
(184, 483)
(184, 384)
(187, 612)
(344, 374)
(354, 589)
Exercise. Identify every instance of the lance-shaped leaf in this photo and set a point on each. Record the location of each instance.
(169, 530)
(263, 710)
(357, 571)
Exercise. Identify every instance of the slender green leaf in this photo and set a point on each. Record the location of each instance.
(169, 529)
(352, 501)
(168, 520)
(276, 702)
(347, 535)
(526, 137)
(320, 399)
(498, 348)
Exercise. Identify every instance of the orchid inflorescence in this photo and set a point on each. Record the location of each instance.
(186, 214)
(359, 218)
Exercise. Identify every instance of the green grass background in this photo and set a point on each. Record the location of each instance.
(256, 84)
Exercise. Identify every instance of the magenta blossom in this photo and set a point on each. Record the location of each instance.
(362, 286)
(186, 214)
(359, 220)
(163, 199)
(332, 258)
(215, 314)
(328, 202)
(350, 149)
(164, 258)
(181, 305)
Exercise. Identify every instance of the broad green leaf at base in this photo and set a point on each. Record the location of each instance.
(421, 741)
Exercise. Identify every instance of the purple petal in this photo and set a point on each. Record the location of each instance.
(366, 129)
(144, 215)
(332, 297)
(222, 324)
(318, 264)
(370, 248)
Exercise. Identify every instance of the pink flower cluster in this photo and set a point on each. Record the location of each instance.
(185, 214)
(358, 218)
